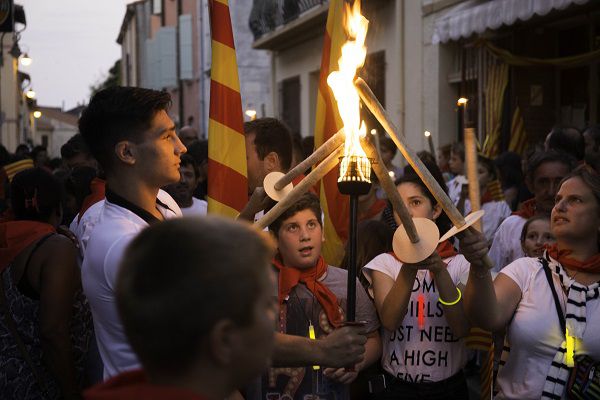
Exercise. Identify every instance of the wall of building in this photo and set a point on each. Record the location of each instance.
(10, 100)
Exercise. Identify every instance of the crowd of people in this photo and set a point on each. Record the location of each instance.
(116, 284)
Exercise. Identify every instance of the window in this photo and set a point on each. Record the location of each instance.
(290, 103)
(157, 6)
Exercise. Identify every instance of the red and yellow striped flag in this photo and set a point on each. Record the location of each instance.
(494, 100)
(483, 341)
(518, 136)
(227, 173)
(335, 205)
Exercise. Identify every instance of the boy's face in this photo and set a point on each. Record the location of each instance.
(157, 155)
(299, 240)
(456, 164)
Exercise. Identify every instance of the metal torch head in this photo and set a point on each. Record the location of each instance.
(355, 175)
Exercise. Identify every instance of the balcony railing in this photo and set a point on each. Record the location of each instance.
(267, 15)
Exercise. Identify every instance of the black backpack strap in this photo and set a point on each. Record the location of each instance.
(559, 311)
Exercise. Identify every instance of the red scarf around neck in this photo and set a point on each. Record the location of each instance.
(592, 264)
(98, 189)
(527, 209)
(290, 277)
(15, 236)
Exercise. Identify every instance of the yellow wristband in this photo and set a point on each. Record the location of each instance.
(451, 303)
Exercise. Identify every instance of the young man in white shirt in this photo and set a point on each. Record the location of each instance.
(131, 135)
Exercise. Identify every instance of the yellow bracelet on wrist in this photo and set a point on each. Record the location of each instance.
(451, 303)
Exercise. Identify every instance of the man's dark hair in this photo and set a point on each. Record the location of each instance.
(77, 183)
(119, 113)
(186, 160)
(459, 149)
(388, 144)
(35, 194)
(199, 150)
(271, 135)
(179, 278)
(74, 146)
(308, 201)
(594, 132)
(567, 139)
(37, 150)
(541, 157)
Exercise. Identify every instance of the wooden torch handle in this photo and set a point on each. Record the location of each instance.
(309, 181)
(323, 151)
(390, 189)
(434, 187)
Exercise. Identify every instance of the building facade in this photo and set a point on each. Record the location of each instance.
(523, 65)
(166, 45)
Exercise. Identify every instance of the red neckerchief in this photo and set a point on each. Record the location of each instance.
(98, 188)
(592, 264)
(15, 236)
(446, 250)
(375, 209)
(290, 277)
(486, 198)
(527, 209)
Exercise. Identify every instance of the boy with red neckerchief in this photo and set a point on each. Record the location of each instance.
(312, 302)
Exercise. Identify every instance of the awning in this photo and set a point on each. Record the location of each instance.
(476, 16)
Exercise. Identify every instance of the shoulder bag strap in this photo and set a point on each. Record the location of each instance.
(559, 310)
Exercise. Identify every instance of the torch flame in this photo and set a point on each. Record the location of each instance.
(342, 81)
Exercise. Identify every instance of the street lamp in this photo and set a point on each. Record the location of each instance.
(251, 114)
(37, 114)
(30, 94)
(26, 60)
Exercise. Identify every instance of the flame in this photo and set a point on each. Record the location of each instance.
(342, 81)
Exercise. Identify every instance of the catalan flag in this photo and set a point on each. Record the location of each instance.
(335, 205)
(483, 341)
(518, 136)
(227, 173)
(494, 100)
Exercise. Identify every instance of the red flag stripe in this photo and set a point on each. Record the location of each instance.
(223, 31)
(236, 197)
(224, 102)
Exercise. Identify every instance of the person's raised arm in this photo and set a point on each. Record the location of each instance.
(454, 313)
(343, 347)
(372, 354)
(392, 297)
(489, 304)
(258, 201)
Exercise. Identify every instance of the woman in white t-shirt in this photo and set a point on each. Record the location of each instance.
(536, 362)
(423, 350)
